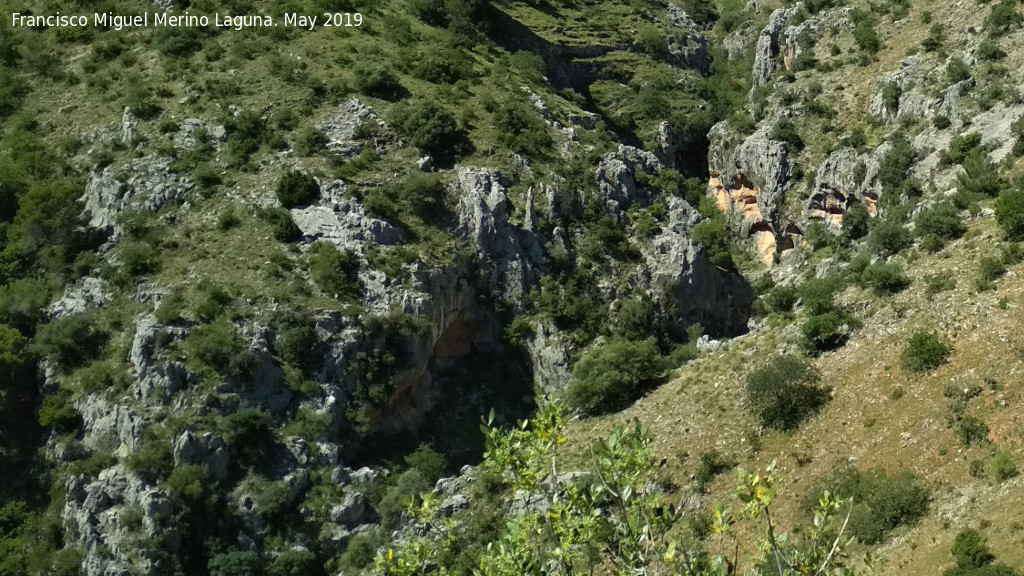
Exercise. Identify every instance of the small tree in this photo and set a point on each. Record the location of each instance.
(888, 238)
(612, 374)
(784, 392)
(926, 351)
(297, 189)
(336, 272)
(855, 221)
(942, 220)
(1010, 213)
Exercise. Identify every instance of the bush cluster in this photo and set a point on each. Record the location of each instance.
(881, 502)
(784, 392)
(69, 341)
(336, 272)
(297, 188)
(378, 81)
(926, 351)
(429, 126)
(612, 374)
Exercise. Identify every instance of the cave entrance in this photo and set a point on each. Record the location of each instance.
(468, 374)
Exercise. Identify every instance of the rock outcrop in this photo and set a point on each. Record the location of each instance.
(688, 47)
(350, 126)
(112, 516)
(768, 45)
(749, 180)
(841, 181)
(696, 290)
(147, 184)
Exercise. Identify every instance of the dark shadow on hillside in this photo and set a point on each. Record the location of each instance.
(465, 392)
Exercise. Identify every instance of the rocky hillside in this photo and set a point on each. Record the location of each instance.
(261, 284)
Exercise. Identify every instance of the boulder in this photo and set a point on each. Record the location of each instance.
(110, 428)
(351, 511)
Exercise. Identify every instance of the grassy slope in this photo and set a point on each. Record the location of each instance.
(701, 407)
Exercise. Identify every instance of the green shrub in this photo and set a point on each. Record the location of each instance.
(784, 392)
(780, 299)
(970, 551)
(310, 141)
(213, 301)
(282, 226)
(295, 341)
(176, 43)
(884, 278)
(359, 553)
(1003, 18)
(971, 430)
(1003, 467)
(979, 180)
(866, 37)
(957, 70)
(935, 39)
(941, 122)
(295, 563)
(991, 268)
(1009, 210)
(925, 351)
(785, 131)
(217, 345)
(429, 126)
(249, 433)
(822, 332)
(612, 374)
(715, 237)
(424, 194)
(961, 146)
(430, 463)
(521, 128)
(891, 93)
(58, 413)
(378, 81)
(893, 169)
(444, 65)
(395, 502)
(297, 189)
(191, 487)
(334, 271)
(942, 220)
(22, 302)
(235, 563)
(153, 460)
(712, 463)
(989, 50)
(170, 308)
(881, 502)
(247, 132)
(70, 341)
(888, 238)
(855, 221)
(137, 258)
(818, 295)
(819, 236)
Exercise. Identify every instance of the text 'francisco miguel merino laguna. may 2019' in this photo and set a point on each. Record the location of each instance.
(110, 20)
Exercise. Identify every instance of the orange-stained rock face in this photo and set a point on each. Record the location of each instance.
(765, 241)
(871, 203)
(740, 196)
